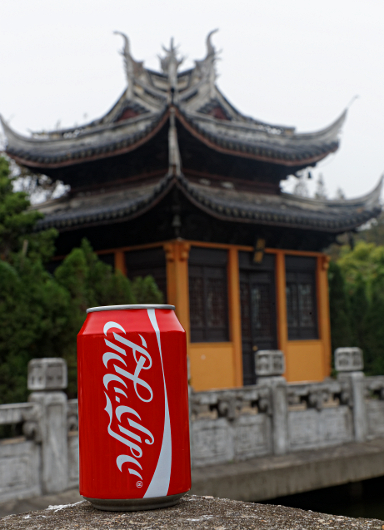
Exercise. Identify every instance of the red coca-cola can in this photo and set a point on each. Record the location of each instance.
(133, 408)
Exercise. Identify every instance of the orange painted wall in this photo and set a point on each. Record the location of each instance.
(211, 365)
(304, 360)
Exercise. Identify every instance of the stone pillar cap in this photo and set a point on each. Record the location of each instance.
(269, 363)
(349, 359)
(49, 373)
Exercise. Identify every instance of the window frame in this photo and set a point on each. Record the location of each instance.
(299, 271)
(208, 264)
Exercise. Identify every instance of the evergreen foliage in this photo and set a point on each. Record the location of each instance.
(356, 286)
(339, 308)
(41, 313)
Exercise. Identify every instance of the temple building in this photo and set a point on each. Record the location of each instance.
(173, 181)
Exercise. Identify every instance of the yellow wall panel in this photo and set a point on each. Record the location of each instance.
(211, 365)
(304, 360)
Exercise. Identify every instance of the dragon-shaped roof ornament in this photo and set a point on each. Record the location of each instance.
(206, 67)
(132, 68)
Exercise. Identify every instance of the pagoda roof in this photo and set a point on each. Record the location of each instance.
(146, 104)
(221, 200)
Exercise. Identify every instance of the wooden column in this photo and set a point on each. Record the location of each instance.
(177, 280)
(235, 315)
(281, 309)
(323, 311)
(120, 262)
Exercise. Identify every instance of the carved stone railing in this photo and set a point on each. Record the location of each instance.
(269, 418)
(231, 425)
(374, 401)
(44, 459)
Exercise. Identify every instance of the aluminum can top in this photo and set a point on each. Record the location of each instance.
(130, 306)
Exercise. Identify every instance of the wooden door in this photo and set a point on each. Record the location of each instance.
(258, 317)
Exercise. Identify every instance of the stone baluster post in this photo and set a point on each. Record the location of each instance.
(47, 378)
(349, 365)
(269, 368)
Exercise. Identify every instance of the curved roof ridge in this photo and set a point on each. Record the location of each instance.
(110, 206)
(371, 199)
(277, 147)
(116, 138)
(330, 132)
(257, 208)
(78, 132)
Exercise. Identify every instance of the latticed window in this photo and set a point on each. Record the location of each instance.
(301, 297)
(208, 295)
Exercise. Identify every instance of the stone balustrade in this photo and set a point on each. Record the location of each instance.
(269, 418)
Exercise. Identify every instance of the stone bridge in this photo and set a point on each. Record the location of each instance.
(251, 443)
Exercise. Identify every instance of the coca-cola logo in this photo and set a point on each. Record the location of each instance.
(134, 436)
(133, 433)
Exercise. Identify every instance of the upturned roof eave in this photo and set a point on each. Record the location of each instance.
(286, 148)
(277, 212)
(119, 213)
(350, 215)
(267, 154)
(370, 198)
(80, 154)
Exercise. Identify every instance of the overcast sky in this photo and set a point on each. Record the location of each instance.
(288, 62)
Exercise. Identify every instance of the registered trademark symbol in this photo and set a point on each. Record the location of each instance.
(139, 484)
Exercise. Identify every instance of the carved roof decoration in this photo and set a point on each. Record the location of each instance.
(200, 107)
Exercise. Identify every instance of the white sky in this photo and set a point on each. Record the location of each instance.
(289, 62)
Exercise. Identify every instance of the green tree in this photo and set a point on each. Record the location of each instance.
(339, 308)
(41, 313)
(359, 306)
(362, 271)
(17, 223)
(145, 291)
(31, 302)
(374, 329)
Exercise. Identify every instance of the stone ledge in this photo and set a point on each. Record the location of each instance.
(274, 476)
(191, 513)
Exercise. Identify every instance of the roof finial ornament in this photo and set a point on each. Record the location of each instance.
(211, 51)
(170, 63)
(207, 65)
(131, 66)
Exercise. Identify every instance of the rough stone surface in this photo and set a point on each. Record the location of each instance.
(192, 512)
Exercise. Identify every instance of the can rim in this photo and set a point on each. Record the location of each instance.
(129, 306)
